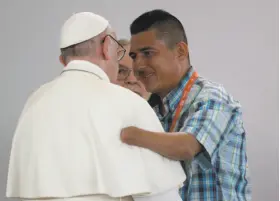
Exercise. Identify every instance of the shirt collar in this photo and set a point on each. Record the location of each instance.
(86, 66)
(171, 100)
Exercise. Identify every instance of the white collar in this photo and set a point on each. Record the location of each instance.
(86, 66)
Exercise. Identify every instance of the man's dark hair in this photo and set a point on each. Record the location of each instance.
(167, 26)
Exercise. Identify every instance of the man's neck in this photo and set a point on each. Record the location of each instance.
(163, 94)
(181, 75)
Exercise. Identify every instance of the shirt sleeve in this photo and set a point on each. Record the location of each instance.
(208, 122)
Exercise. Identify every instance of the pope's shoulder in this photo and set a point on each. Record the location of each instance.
(126, 95)
(94, 89)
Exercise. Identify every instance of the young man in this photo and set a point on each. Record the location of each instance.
(203, 123)
(67, 146)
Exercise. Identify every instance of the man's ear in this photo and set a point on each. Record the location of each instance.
(182, 50)
(62, 60)
(106, 48)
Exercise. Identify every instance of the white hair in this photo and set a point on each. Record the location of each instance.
(84, 49)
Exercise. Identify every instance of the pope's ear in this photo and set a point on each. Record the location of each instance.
(61, 59)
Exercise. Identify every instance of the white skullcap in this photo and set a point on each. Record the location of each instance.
(81, 27)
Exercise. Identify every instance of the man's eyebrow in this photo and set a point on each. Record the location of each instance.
(143, 49)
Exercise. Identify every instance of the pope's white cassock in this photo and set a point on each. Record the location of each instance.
(67, 142)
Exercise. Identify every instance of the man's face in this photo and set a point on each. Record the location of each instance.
(126, 76)
(153, 63)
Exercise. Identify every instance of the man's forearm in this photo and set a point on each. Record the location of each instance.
(176, 146)
(170, 145)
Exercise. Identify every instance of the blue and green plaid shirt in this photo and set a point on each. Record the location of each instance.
(220, 172)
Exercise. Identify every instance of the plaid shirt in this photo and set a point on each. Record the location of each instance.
(220, 172)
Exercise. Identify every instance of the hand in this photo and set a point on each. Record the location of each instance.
(130, 135)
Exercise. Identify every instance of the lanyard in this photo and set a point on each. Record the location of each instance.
(183, 100)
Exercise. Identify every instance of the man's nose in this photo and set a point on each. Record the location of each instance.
(138, 62)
